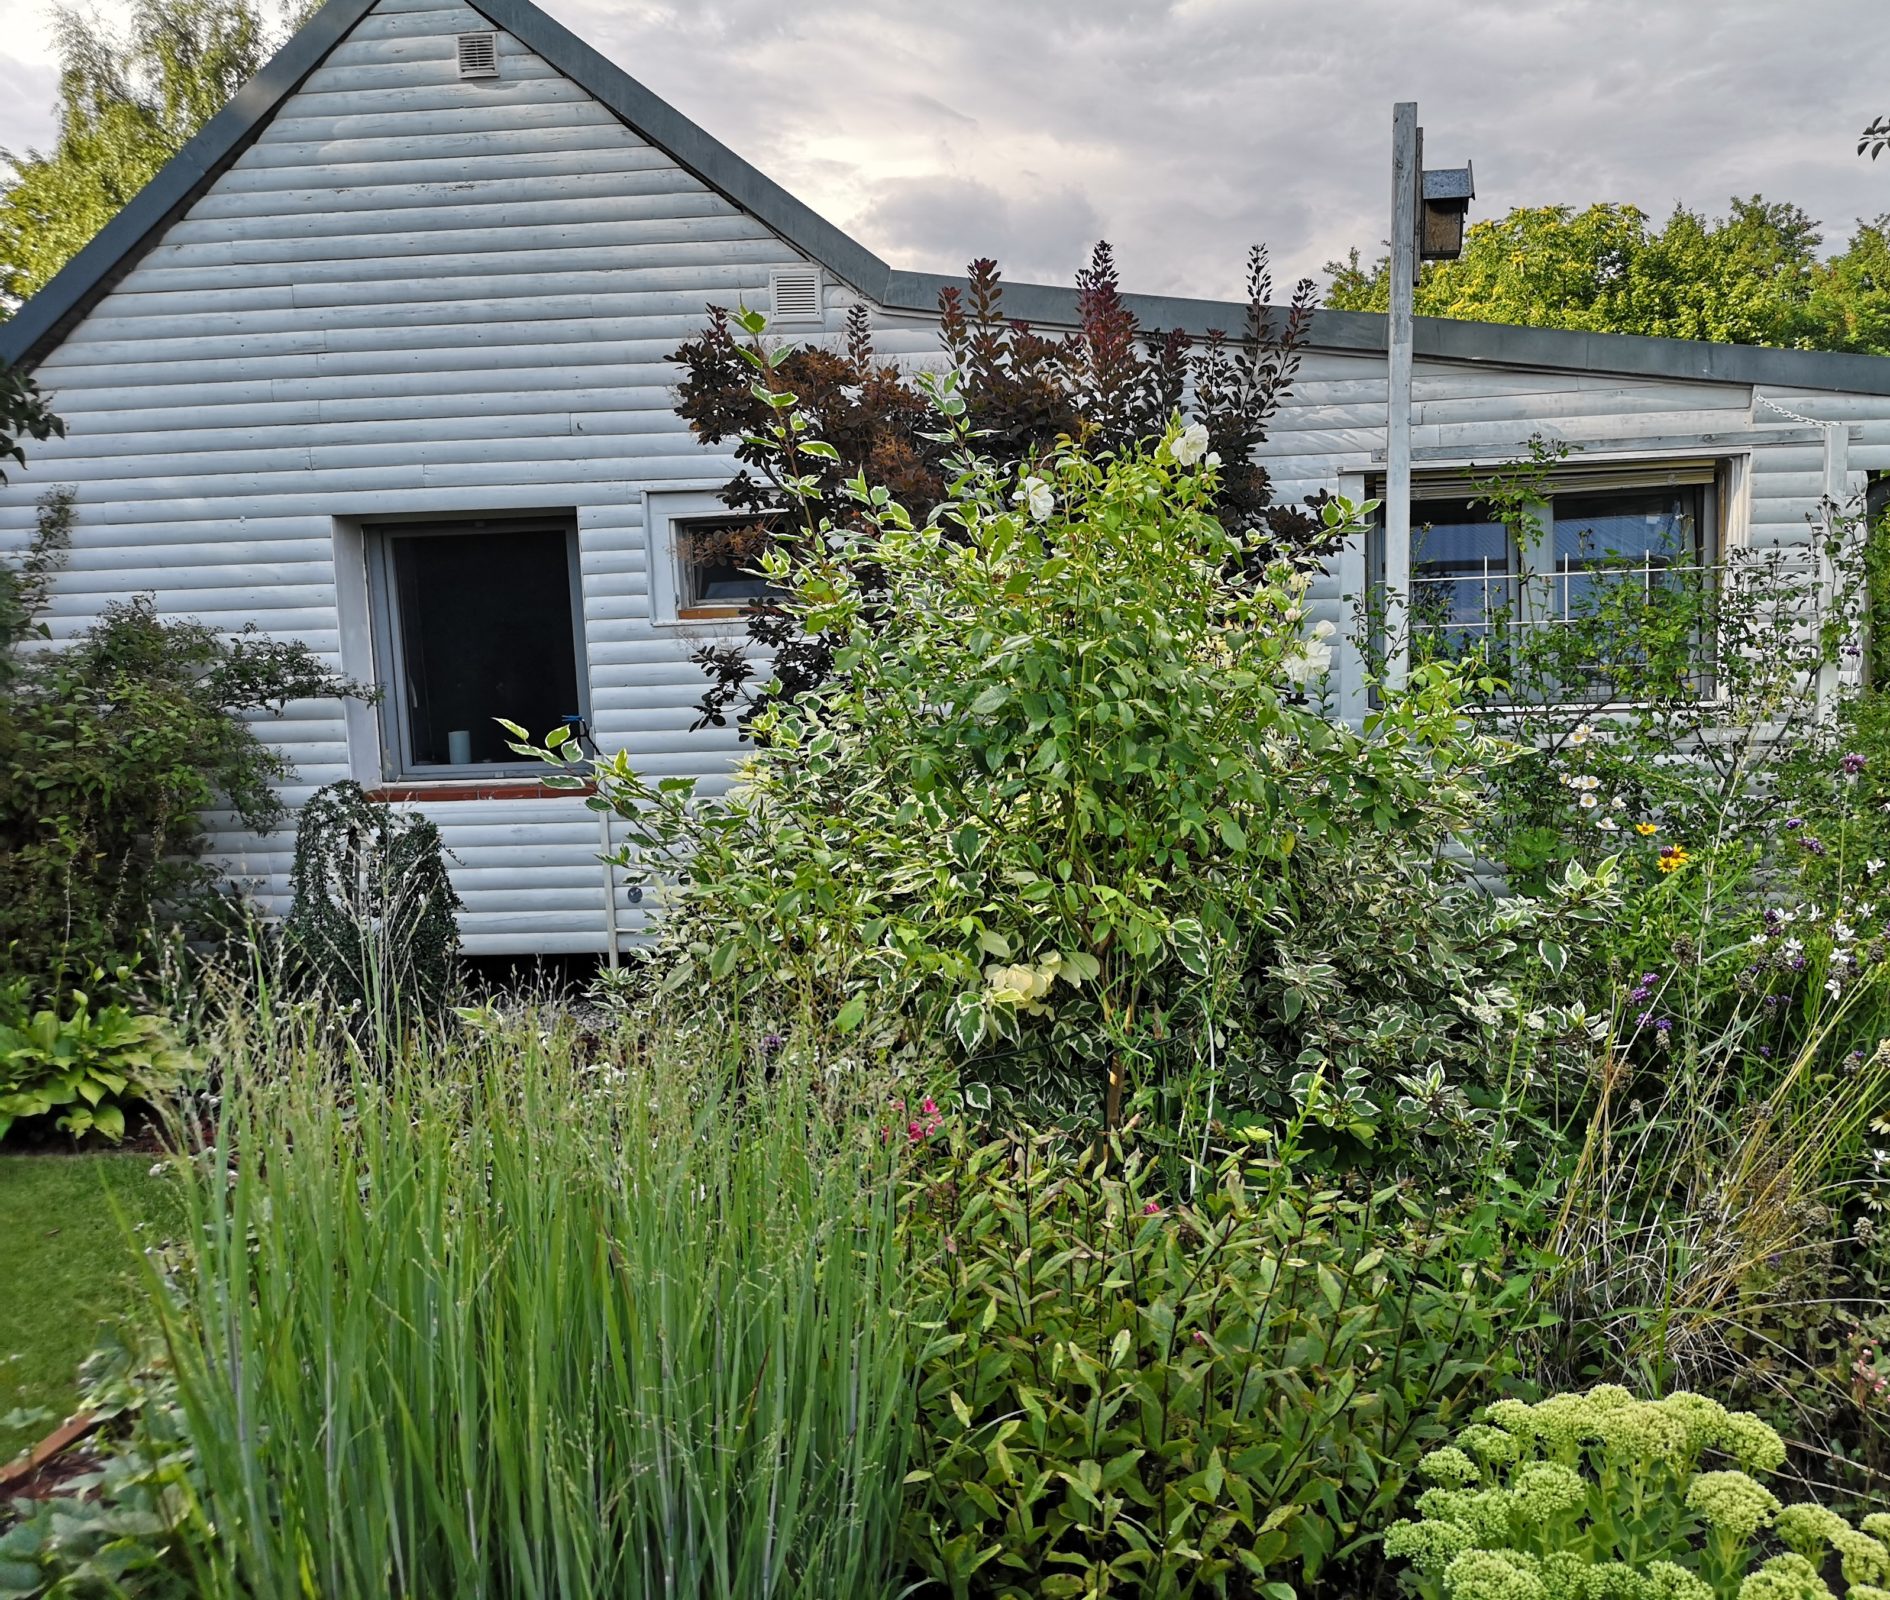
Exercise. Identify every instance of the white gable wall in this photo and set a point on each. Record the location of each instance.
(417, 294)
(413, 293)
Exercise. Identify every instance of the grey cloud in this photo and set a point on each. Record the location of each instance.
(1185, 129)
(937, 223)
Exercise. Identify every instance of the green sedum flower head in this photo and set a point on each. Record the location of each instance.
(1668, 1580)
(1429, 1546)
(1546, 1489)
(1491, 1446)
(1494, 1575)
(1808, 1527)
(1448, 1466)
(1755, 1445)
(1732, 1502)
(1866, 1560)
(1789, 1577)
(1613, 1580)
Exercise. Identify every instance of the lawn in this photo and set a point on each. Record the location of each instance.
(68, 1264)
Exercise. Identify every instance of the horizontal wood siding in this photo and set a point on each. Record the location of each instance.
(419, 294)
(412, 293)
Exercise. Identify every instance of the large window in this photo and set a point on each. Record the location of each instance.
(474, 619)
(1599, 554)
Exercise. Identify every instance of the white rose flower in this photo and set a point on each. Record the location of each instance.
(1589, 802)
(1324, 628)
(1034, 495)
(1608, 825)
(1212, 458)
(1190, 445)
(1306, 664)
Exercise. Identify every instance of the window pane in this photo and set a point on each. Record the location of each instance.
(1461, 568)
(715, 559)
(485, 631)
(1641, 538)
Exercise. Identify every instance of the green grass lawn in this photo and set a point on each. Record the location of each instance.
(66, 1265)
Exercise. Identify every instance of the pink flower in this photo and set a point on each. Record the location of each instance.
(1199, 1337)
(929, 1107)
(1152, 1209)
(914, 1132)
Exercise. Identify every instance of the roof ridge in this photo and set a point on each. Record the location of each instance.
(43, 321)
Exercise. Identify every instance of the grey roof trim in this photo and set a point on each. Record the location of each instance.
(44, 320)
(1486, 343)
(705, 156)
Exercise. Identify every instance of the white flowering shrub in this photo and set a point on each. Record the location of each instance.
(1065, 796)
(1600, 1496)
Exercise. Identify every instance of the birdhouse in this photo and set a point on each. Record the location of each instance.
(1447, 194)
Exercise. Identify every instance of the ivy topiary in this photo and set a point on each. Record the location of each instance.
(373, 916)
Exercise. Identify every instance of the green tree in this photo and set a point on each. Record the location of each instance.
(127, 103)
(1751, 277)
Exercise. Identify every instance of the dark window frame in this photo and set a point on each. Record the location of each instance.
(398, 761)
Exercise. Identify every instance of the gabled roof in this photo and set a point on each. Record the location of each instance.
(38, 326)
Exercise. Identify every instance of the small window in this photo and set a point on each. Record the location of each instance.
(704, 559)
(717, 562)
(474, 620)
(1463, 567)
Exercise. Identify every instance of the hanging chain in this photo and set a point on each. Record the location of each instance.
(1786, 411)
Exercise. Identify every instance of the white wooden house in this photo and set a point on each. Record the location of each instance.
(378, 362)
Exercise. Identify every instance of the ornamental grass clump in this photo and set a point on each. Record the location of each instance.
(1600, 1496)
(523, 1310)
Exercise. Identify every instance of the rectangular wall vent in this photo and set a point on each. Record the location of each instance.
(479, 55)
(796, 294)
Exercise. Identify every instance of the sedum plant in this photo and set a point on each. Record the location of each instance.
(1600, 1496)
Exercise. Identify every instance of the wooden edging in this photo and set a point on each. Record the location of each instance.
(56, 1443)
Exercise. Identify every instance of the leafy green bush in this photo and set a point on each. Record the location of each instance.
(111, 748)
(1599, 1494)
(83, 1061)
(117, 1529)
(529, 1311)
(1131, 1392)
(1065, 792)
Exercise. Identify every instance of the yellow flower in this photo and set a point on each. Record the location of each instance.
(1646, 829)
(1672, 857)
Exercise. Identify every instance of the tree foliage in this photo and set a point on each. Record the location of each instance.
(127, 103)
(1109, 384)
(1751, 277)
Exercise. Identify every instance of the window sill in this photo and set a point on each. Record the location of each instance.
(473, 789)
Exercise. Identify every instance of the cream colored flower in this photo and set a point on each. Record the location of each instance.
(1190, 445)
(1034, 495)
(1313, 661)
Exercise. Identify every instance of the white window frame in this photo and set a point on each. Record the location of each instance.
(390, 665)
(1724, 516)
(665, 512)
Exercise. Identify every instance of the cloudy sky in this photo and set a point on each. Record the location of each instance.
(1182, 130)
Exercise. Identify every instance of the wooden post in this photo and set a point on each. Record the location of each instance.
(1837, 465)
(1406, 165)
